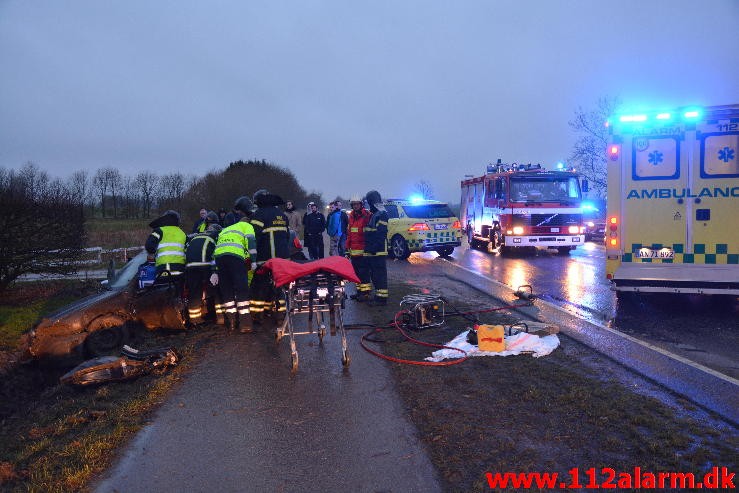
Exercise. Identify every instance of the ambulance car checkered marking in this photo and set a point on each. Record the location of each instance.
(702, 254)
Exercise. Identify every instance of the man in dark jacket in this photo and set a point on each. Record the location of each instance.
(273, 241)
(201, 223)
(375, 247)
(314, 225)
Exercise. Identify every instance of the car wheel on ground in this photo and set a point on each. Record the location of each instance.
(107, 335)
(399, 247)
(445, 252)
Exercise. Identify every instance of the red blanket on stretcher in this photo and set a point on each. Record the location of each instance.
(285, 271)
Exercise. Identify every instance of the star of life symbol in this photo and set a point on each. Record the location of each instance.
(656, 157)
(726, 154)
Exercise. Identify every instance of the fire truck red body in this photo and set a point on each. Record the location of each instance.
(517, 206)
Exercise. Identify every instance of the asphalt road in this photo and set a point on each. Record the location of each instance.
(240, 422)
(704, 329)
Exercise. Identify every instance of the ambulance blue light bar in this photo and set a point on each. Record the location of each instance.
(692, 114)
(416, 199)
(632, 118)
(686, 114)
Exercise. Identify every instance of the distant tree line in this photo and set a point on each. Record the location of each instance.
(42, 225)
(108, 193)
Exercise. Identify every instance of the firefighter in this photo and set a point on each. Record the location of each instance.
(200, 265)
(375, 247)
(167, 244)
(358, 219)
(235, 249)
(273, 241)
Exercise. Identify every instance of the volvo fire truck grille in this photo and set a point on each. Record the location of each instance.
(545, 220)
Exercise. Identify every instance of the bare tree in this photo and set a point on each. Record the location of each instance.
(33, 180)
(589, 153)
(130, 195)
(101, 184)
(171, 190)
(52, 219)
(147, 183)
(115, 180)
(80, 186)
(424, 189)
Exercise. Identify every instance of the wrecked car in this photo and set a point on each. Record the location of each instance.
(101, 324)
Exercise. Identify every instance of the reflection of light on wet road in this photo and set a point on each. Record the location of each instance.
(517, 276)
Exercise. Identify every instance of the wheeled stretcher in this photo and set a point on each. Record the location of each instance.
(315, 289)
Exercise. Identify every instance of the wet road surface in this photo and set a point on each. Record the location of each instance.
(240, 422)
(704, 329)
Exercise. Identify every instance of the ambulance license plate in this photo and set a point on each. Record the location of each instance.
(440, 226)
(652, 253)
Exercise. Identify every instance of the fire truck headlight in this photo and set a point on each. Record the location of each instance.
(591, 224)
(573, 230)
(517, 230)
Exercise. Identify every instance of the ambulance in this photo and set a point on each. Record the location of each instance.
(516, 207)
(672, 220)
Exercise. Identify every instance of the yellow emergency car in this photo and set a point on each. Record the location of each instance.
(420, 226)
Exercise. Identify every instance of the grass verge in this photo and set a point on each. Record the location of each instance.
(116, 233)
(55, 438)
(24, 303)
(549, 414)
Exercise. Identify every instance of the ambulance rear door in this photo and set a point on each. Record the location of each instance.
(713, 224)
(654, 217)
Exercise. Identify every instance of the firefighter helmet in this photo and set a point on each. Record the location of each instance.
(374, 199)
(355, 198)
(244, 204)
(211, 218)
(259, 196)
(169, 218)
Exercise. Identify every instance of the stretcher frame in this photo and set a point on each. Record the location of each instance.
(319, 294)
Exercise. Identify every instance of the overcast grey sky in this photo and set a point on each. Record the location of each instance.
(348, 95)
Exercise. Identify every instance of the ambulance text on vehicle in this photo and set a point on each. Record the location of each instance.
(673, 201)
(516, 206)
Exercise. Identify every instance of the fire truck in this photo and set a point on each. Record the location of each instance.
(672, 221)
(515, 206)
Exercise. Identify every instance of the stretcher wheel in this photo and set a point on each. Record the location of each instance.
(321, 332)
(294, 362)
(346, 359)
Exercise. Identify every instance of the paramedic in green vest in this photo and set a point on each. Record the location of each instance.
(166, 244)
(235, 251)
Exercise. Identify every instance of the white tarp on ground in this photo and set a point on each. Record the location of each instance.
(515, 344)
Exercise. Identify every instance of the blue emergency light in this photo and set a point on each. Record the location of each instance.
(416, 199)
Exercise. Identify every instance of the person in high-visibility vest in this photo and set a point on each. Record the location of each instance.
(234, 254)
(166, 244)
